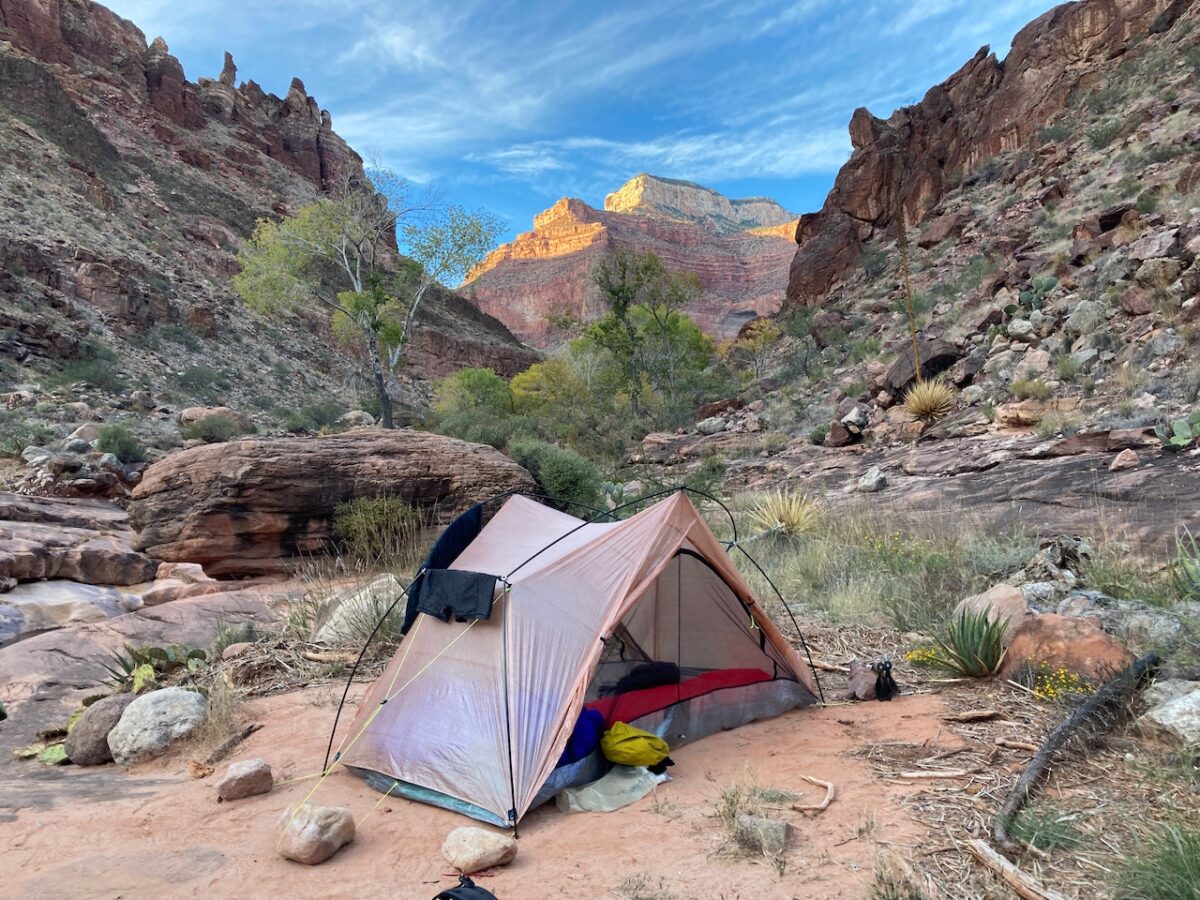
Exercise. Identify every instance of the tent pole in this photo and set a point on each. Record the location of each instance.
(512, 779)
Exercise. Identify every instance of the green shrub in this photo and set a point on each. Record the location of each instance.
(1100, 136)
(1167, 868)
(971, 645)
(1026, 388)
(818, 434)
(561, 473)
(1055, 132)
(313, 417)
(96, 365)
(215, 429)
(120, 442)
(15, 437)
(377, 530)
(1066, 367)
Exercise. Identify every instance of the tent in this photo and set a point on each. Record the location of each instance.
(474, 715)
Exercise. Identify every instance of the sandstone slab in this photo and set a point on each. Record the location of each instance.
(248, 506)
(1053, 641)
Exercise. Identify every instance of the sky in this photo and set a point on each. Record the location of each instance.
(507, 106)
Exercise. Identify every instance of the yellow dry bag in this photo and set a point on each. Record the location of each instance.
(628, 746)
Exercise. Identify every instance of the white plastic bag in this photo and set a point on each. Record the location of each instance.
(620, 787)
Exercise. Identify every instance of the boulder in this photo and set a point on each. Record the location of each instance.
(937, 356)
(767, 836)
(247, 507)
(1154, 245)
(357, 418)
(1158, 273)
(1136, 301)
(87, 741)
(712, 425)
(245, 778)
(871, 481)
(341, 617)
(154, 721)
(167, 590)
(194, 415)
(470, 849)
(1085, 317)
(88, 432)
(1001, 601)
(1176, 720)
(1054, 641)
(312, 834)
(838, 435)
(1164, 691)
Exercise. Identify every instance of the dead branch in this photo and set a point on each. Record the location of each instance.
(945, 773)
(1023, 884)
(1109, 695)
(829, 667)
(230, 742)
(1009, 744)
(824, 804)
(973, 715)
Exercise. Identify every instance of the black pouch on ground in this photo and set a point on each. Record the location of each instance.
(466, 890)
(885, 685)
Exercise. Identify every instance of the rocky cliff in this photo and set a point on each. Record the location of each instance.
(125, 189)
(740, 249)
(922, 152)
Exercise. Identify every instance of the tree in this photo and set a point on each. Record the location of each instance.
(645, 329)
(344, 255)
(756, 344)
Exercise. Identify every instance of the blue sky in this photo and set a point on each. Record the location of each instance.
(508, 106)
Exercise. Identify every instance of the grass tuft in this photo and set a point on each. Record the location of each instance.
(1168, 868)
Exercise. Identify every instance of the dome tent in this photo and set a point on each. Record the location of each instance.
(474, 715)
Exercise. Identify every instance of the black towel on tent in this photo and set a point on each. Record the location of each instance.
(465, 595)
(453, 541)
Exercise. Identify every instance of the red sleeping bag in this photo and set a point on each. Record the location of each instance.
(634, 704)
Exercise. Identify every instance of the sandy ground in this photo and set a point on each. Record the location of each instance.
(156, 832)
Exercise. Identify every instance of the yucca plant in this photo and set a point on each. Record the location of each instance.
(971, 645)
(1185, 567)
(929, 401)
(785, 512)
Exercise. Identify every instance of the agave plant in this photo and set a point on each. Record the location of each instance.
(1185, 567)
(929, 401)
(1182, 433)
(972, 645)
(785, 512)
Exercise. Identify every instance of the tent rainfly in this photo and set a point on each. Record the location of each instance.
(561, 615)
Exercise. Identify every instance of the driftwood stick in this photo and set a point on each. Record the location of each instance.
(973, 715)
(942, 773)
(224, 748)
(824, 804)
(828, 666)
(1107, 696)
(1019, 881)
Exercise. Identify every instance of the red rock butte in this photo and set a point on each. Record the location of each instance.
(739, 249)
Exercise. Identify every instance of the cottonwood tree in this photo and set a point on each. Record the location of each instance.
(370, 258)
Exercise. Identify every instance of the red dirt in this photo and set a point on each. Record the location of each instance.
(155, 831)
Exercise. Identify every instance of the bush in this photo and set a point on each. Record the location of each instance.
(1100, 136)
(1185, 567)
(313, 417)
(215, 429)
(1066, 367)
(377, 530)
(1056, 132)
(971, 645)
(561, 473)
(96, 365)
(1027, 388)
(120, 442)
(14, 438)
(1168, 868)
(929, 401)
(818, 434)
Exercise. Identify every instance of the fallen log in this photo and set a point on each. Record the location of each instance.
(1107, 696)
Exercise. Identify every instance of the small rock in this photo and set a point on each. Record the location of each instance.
(838, 435)
(855, 419)
(1085, 358)
(871, 481)
(87, 741)
(312, 834)
(36, 456)
(769, 836)
(246, 778)
(141, 401)
(1085, 316)
(89, 432)
(1158, 273)
(154, 721)
(860, 683)
(1126, 459)
(1021, 329)
(76, 445)
(470, 849)
(1135, 301)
